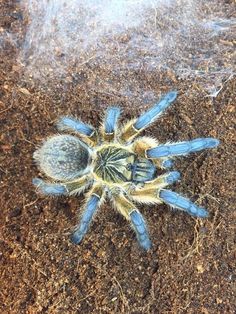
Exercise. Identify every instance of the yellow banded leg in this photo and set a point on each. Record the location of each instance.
(124, 206)
(98, 190)
(79, 185)
(131, 213)
(62, 188)
(149, 193)
(129, 132)
(143, 143)
(91, 140)
(108, 137)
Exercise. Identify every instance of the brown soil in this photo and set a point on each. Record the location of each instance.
(191, 267)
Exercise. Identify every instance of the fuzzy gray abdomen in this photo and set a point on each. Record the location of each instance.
(63, 157)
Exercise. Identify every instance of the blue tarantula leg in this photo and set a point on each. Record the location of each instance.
(88, 213)
(50, 188)
(182, 148)
(87, 216)
(167, 163)
(140, 229)
(172, 177)
(134, 127)
(148, 117)
(67, 123)
(110, 121)
(175, 200)
(64, 188)
(144, 143)
(129, 211)
(74, 125)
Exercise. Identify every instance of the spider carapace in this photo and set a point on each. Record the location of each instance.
(115, 163)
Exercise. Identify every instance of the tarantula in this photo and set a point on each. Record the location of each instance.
(113, 162)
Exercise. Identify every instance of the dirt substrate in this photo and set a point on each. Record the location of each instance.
(191, 267)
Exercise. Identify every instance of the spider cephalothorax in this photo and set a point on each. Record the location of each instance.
(115, 163)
